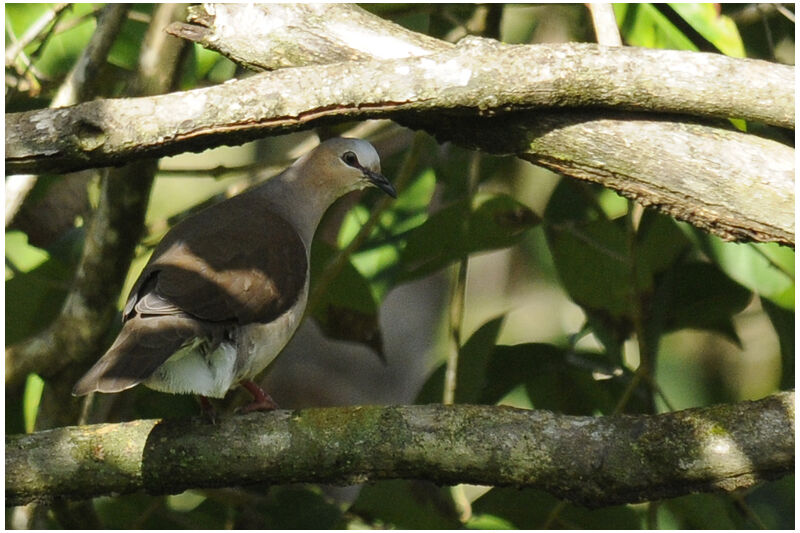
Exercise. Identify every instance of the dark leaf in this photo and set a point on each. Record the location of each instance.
(702, 297)
(531, 509)
(347, 309)
(472, 363)
(405, 504)
(783, 322)
(462, 228)
(767, 269)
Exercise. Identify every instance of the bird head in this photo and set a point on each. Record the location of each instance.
(343, 165)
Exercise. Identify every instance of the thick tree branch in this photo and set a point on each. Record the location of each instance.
(734, 185)
(477, 78)
(273, 36)
(592, 461)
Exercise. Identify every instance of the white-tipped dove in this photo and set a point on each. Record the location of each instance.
(225, 290)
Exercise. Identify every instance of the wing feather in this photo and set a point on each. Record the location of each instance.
(231, 263)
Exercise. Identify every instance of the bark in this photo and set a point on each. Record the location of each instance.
(478, 78)
(273, 36)
(467, 84)
(591, 461)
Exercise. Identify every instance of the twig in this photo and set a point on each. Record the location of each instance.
(34, 31)
(605, 24)
(75, 88)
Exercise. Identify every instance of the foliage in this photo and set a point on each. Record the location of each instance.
(669, 317)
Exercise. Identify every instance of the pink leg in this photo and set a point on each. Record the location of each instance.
(207, 409)
(261, 400)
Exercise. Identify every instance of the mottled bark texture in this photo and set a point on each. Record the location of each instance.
(591, 461)
(452, 92)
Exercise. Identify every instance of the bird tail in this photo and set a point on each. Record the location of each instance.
(141, 347)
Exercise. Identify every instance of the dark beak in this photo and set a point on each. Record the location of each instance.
(380, 181)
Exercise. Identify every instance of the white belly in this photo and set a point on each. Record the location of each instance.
(192, 370)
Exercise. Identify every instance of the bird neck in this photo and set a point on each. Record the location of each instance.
(297, 200)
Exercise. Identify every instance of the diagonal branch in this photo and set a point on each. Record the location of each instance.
(477, 78)
(434, 84)
(111, 237)
(76, 87)
(592, 461)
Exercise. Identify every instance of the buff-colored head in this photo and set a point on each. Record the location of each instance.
(341, 165)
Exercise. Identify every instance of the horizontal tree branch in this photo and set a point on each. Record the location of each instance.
(476, 80)
(729, 183)
(273, 36)
(588, 460)
(479, 77)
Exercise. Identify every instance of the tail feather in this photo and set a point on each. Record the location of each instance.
(141, 347)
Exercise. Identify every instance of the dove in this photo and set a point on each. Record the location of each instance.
(225, 289)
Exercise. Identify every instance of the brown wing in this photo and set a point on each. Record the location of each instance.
(141, 347)
(233, 262)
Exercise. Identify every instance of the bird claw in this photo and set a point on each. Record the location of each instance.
(207, 410)
(261, 400)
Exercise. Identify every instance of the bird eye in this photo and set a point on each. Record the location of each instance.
(351, 159)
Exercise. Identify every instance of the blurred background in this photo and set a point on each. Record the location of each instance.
(544, 295)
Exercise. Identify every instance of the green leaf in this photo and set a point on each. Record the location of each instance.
(25, 257)
(719, 29)
(783, 322)
(349, 289)
(62, 49)
(660, 243)
(205, 60)
(547, 371)
(487, 373)
(498, 221)
(767, 269)
(589, 250)
(347, 309)
(436, 243)
(378, 259)
(472, 363)
(643, 25)
(700, 296)
(462, 228)
(531, 509)
(591, 258)
(33, 298)
(405, 504)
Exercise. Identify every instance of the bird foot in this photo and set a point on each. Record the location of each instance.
(261, 400)
(207, 410)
